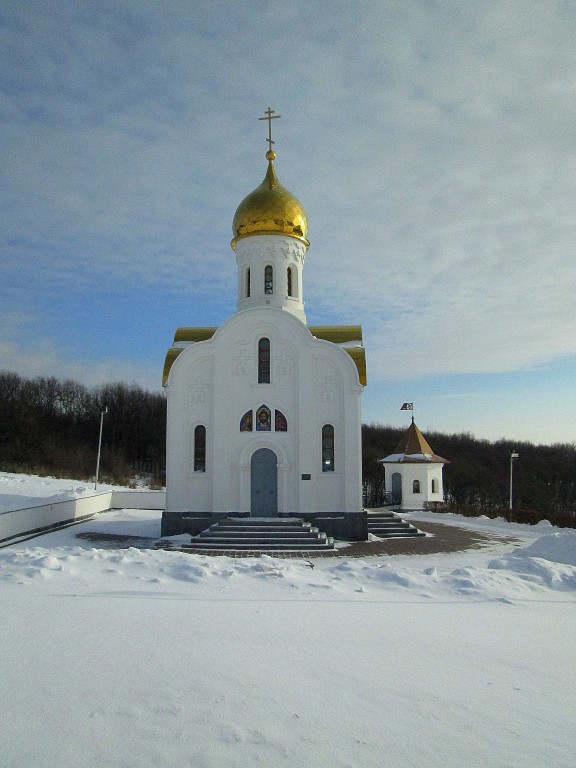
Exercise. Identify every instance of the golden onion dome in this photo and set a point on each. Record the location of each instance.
(270, 210)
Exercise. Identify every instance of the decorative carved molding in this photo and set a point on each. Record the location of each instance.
(241, 359)
(284, 360)
(199, 387)
(327, 388)
(260, 248)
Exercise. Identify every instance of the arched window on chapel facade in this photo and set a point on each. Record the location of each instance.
(200, 448)
(327, 448)
(263, 421)
(264, 361)
(268, 279)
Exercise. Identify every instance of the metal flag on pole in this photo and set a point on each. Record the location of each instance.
(407, 407)
(103, 412)
(513, 455)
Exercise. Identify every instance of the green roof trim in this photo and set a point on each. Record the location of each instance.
(337, 334)
(193, 334)
(358, 355)
(171, 355)
(343, 335)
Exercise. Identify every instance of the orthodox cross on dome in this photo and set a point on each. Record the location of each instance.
(269, 115)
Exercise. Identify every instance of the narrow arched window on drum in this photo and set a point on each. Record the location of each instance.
(327, 448)
(200, 448)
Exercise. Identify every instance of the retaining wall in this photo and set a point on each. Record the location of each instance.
(20, 523)
(138, 500)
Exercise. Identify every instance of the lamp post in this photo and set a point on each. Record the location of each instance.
(102, 412)
(513, 456)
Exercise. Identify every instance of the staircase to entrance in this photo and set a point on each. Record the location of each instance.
(258, 534)
(388, 525)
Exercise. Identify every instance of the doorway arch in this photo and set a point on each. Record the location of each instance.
(264, 483)
(396, 488)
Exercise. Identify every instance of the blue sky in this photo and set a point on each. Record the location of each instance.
(432, 144)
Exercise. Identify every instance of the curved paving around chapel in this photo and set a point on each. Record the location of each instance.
(442, 538)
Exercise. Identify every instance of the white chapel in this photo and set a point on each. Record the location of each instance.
(264, 411)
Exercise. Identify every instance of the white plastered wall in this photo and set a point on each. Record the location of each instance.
(279, 252)
(214, 383)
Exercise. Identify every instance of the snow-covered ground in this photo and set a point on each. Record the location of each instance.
(136, 657)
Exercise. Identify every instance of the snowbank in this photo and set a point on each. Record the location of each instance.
(23, 491)
(548, 562)
(558, 547)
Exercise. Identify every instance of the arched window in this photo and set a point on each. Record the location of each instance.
(264, 361)
(268, 279)
(290, 281)
(327, 448)
(200, 448)
(280, 423)
(263, 419)
(416, 486)
(248, 282)
(434, 485)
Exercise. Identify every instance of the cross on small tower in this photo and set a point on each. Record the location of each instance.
(269, 115)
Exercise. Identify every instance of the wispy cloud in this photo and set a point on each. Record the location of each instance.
(431, 144)
(45, 358)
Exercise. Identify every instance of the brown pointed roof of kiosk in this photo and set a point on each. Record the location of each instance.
(413, 441)
(414, 448)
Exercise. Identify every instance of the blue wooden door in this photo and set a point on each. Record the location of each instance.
(264, 483)
(396, 488)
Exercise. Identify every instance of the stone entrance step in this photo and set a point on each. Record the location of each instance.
(265, 522)
(251, 530)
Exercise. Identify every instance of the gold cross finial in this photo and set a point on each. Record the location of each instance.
(269, 115)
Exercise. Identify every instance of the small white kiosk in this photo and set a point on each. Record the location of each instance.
(414, 472)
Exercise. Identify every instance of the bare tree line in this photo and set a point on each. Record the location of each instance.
(477, 480)
(48, 426)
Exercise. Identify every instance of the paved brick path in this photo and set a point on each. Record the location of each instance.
(445, 538)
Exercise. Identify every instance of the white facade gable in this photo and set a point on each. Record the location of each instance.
(214, 384)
